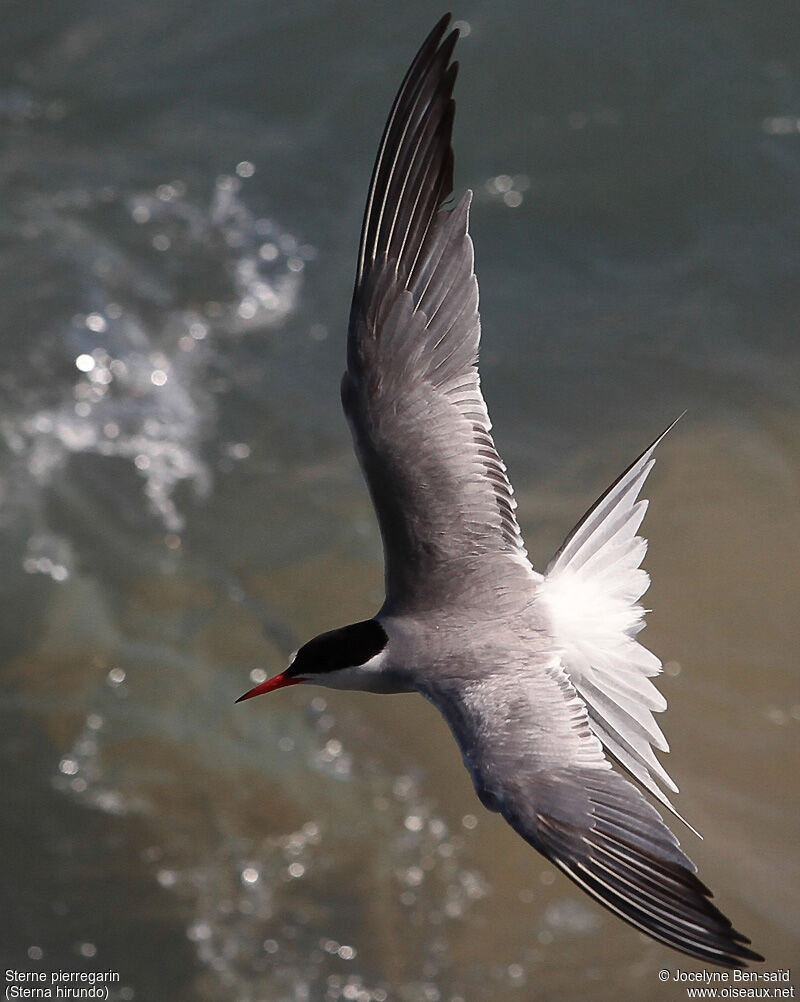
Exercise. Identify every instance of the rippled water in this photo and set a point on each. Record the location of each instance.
(181, 188)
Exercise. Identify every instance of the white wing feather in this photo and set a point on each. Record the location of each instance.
(591, 593)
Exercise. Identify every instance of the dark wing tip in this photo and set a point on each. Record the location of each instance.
(441, 24)
(413, 172)
(643, 886)
(601, 832)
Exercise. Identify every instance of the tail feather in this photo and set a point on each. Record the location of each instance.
(591, 592)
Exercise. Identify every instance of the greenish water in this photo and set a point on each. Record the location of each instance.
(181, 186)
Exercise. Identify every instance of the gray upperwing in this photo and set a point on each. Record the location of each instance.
(526, 740)
(412, 391)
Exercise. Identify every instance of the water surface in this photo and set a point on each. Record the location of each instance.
(182, 186)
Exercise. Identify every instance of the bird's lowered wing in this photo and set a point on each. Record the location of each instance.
(591, 593)
(526, 740)
(411, 391)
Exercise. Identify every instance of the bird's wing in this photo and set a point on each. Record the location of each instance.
(590, 594)
(526, 740)
(411, 391)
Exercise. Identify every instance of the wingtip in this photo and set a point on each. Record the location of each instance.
(445, 53)
(438, 30)
(628, 861)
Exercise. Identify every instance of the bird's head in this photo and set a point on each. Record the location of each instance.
(352, 657)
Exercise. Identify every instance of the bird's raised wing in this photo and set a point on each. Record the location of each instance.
(590, 594)
(411, 391)
(526, 740)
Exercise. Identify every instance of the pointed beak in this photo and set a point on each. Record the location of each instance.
(278, 682)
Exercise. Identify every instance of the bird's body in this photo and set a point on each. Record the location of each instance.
(538, 675)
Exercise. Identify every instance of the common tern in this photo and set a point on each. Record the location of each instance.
(538, 675)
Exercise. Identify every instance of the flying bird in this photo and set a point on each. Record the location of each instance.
(539, 675)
